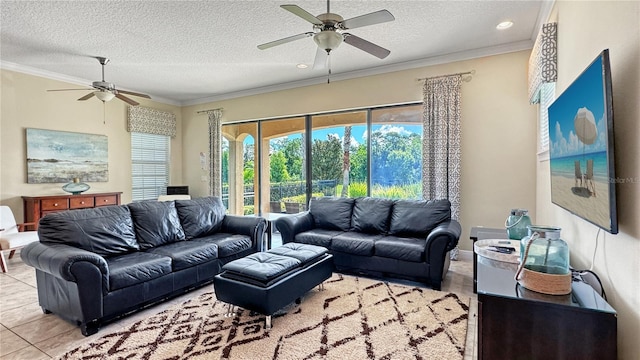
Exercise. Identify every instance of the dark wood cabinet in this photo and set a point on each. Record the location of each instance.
(516, 323)
(35, 207)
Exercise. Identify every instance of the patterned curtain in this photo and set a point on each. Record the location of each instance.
(543, 62)
(215, 152)
(151, 121)
(441, 143)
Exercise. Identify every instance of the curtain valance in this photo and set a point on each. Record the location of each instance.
(151, 121)
(543, 62)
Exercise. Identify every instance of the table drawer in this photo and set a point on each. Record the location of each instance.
(54, 204)
(81, 202)
(106, 200)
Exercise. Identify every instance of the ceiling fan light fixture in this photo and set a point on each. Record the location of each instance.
(104, 95)
(328, 39)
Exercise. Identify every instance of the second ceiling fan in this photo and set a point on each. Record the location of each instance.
(329, 32)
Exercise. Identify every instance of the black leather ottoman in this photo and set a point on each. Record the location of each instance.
(268, 281)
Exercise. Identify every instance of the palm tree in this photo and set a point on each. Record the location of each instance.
(346, 145)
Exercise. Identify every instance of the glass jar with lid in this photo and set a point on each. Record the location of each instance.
(544, 261)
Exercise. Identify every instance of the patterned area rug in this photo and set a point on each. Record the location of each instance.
(352, 318)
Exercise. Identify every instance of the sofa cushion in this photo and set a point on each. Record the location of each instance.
(106, 230)
(333, 213)
(185, 254)
(261, 269)
(135, 268)
(416, 218)
(371, 215)
(156, 223)
(201, 216)
(319, 237)
(304, 252)
(401, 248)
(228, 244)
(354, 243)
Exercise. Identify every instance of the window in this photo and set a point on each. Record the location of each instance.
(149, 165)
(353, 153)
(547, 96)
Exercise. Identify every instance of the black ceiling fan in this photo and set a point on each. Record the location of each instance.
(106, 91)
(329, 32)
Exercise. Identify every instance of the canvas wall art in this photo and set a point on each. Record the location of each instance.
(60, 156)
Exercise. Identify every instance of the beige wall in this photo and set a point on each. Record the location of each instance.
(584, 30)
(26, 104)
(498, 128)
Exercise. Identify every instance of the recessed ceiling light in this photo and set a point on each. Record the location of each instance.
(302, 66)
(504, 25)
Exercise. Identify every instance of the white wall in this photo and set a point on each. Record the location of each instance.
(27, 104)
(584, 30)
(498, 128)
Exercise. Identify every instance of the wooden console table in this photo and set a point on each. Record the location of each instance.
(35, 207)
(516, 323)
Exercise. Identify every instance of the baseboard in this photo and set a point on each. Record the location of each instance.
(465, 255)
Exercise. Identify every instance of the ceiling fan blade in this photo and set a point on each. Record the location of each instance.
(134, 94)
(284, 40)
(85, 89)
(367, 19)
(321, 59)
(127, 100)
(88, 96)
(366, 46)
(297, 10)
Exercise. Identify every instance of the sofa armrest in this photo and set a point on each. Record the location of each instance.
(441, 240)
(289, 226)
(59, 260)
(448, 231)
(253, 226)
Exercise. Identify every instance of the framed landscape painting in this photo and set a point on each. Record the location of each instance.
(59, 156)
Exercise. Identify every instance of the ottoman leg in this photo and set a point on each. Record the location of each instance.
(321, 286)
(267, 321)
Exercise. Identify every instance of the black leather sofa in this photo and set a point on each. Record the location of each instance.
(381, 237)
(95, 265)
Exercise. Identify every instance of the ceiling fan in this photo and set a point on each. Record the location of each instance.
(106, 91)
(329, 32)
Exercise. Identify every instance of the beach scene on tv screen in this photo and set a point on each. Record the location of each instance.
(578, 148)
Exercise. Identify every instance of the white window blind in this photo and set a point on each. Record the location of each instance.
(547, 96)
(150, 165)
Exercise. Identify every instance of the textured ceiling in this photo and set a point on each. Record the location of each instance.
(186, 52)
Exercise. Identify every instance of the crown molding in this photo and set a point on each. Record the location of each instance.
(543, 17)
(431, 61)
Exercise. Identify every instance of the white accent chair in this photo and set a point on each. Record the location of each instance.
(173, 197)
(12, 235)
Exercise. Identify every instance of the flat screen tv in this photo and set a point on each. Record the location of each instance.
(581, 151)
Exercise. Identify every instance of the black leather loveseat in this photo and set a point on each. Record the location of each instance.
(402, 238)
(95, 265)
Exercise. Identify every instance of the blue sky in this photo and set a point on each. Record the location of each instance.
(587, 91)
(357, 132)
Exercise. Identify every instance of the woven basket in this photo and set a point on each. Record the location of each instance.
(550, 284)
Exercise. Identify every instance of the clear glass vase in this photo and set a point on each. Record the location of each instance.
(547, 253)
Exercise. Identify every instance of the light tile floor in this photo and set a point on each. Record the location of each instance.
(26, 333)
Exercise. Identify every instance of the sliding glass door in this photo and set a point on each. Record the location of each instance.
(396, 152)
(338, 154)
(267, 167)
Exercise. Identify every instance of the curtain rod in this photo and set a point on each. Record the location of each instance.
(205, 111)
(470, 73)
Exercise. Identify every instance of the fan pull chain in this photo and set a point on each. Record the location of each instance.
(104, 113)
